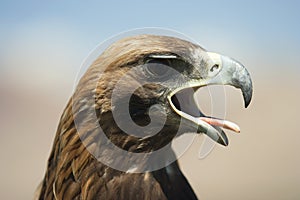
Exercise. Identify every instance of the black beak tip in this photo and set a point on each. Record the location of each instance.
(247, 103)
(223, 139)
(222, 142)
(247, 97)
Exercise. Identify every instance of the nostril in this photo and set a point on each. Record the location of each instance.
(214, 67)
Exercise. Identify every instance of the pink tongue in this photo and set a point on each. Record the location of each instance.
(222, 123)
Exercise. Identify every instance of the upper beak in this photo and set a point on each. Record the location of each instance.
(232, 73)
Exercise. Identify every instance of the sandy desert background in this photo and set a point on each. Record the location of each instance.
(43, 46)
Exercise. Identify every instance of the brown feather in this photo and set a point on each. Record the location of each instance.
(72, 172)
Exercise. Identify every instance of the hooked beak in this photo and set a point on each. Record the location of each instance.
(229, 72)
(232, 73)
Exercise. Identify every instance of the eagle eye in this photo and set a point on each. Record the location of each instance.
(158, 67)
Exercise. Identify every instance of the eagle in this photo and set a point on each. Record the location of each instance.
(114, 137)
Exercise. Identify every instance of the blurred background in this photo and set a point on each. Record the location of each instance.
(44, 43)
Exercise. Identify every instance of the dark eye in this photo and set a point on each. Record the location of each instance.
(214, 68)
(158, 67)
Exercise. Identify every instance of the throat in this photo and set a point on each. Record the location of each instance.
(184, 102)
(130, 142)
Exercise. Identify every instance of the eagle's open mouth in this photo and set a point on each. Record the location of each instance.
(183, 103)
(228, 72)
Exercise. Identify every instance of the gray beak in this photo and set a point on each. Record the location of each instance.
(232, 73)
(229, 72)
(223, 71)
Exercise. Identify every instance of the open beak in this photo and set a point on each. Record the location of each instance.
(230, 72)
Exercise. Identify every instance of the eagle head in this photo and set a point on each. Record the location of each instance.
(134, 99)
(144, 85)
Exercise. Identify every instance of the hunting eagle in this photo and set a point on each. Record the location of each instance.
(154, 103)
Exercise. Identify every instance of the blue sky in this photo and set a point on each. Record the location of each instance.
(268, 18)
(261, 34)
